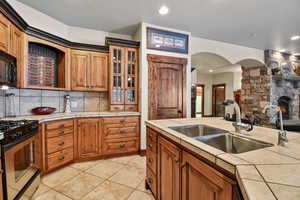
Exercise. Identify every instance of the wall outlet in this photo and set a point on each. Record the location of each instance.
(74, 104)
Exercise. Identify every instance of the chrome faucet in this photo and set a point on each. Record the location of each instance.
(282, 135)
(240, 127)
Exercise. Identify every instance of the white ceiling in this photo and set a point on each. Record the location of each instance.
(262, 24)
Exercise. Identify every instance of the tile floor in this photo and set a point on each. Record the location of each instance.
(113, 179)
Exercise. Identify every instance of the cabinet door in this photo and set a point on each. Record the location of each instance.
(99, 72)
(168, 170)
(4, 33)
(131, 78)
(16, 48)
(117, 75)
(80, 65)
(200, 181)
(88, 137)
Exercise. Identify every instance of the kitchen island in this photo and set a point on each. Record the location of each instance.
(265, 174)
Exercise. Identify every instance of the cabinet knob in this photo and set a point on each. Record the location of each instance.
(122, 145)
(150, 181)
(61, 143)
(61, 132)
(62, 158)
(150, 160)
(62, 126)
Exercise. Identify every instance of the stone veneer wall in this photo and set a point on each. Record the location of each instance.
(256, 90)
(26, 99)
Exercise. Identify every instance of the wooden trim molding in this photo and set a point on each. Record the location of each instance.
(121, 42)
(12, 15)
(166, 59)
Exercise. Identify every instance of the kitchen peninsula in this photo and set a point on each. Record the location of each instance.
(270, 173)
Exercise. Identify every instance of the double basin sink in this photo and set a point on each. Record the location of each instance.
(220, 139)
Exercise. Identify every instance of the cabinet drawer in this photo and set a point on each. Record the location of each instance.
(151, 160)
(131, 108)
(120, 145)
(59, 158)
(120, 132)
(59, 132)
(120, 120)
(117, 108)
(152, 182)
(59, 143)
(59, 124)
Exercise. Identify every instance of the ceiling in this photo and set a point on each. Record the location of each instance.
(262, 24)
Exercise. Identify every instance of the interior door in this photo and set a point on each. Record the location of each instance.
(167, 92)
(218, 97)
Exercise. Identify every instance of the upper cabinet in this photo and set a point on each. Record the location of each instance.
(4, 33)
(123, 78)
(89, 71)
(47, 65)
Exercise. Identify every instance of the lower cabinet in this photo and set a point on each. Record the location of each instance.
(75, 140)
(168, 170)
(200, 181)
(89, 137)
(179, 175)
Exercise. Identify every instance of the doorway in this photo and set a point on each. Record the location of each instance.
(200, 95)
(167, 87)
(218, 96)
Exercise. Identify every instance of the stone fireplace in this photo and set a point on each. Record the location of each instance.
(264, 85)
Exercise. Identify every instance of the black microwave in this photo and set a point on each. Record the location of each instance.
(8, 70)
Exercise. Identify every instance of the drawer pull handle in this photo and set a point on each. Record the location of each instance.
(122, 132)
(61, 143)
(61, 132)
(62, 158)
(122, 121)
(62, 126)
(150, 160)
(183, 165)
(122, 145)
(150, 146)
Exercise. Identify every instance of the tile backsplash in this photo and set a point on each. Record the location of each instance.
(26, 99)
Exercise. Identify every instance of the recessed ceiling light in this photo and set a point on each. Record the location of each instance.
(163, 10)
(295, 37)
(211, 70)
(282, 50)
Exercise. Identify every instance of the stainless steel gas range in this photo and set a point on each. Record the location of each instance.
(20, 158)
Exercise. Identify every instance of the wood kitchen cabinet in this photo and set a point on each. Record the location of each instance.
(4, 33)
(174, 174)
(200, 181)
(90, 71)
(89, 137)
(123, 76)
(168, 170)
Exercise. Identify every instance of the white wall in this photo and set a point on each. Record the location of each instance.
(207, 81)
(144, 75)
(233, 53)
(46, 23)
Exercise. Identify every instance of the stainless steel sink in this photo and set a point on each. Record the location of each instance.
(197, 130)
(232, 144)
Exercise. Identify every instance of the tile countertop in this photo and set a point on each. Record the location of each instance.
(271, 173)
(61, 116)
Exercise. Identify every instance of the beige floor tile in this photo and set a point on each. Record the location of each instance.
(52, 195)
(60, 176)
(123, 160)
(84, 165)
(130, 176)
(41, 190)
(105, 169)
(139, 161)
(282, 174)
(138, 195)
(109, 191)
(283, 192)
(79, 186)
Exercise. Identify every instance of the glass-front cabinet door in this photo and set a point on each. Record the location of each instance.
(131, 78)
(117, 75)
